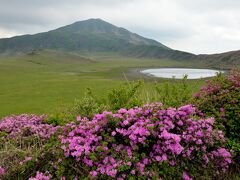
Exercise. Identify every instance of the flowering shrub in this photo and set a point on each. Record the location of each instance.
(220, 98)
(142, 142)
(23, 139)
(26, 125)
(146, 142)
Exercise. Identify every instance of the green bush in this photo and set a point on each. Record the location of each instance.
(87, 106)
(59, 119)
(132, 94)
(174, 94)
(126, 96)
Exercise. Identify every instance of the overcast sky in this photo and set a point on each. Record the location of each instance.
(197, 26)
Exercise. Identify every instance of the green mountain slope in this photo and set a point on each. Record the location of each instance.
(90, 35)
(225, 60)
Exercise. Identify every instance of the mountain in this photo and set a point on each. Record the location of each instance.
(93, 35)
(89, 35)
(222, 60)
(96, 35)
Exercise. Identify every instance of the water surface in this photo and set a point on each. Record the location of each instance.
(178, 73)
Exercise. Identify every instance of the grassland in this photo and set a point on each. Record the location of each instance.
(41, 82)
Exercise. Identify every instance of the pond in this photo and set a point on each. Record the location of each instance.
(178, 73)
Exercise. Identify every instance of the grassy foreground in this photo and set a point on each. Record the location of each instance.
(41, 81)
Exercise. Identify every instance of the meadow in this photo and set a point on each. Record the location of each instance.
(41, 82)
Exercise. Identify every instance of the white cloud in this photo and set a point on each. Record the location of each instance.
(6, 33)
(199, 26)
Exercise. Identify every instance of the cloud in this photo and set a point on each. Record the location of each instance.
(199, 26)
(6, 33)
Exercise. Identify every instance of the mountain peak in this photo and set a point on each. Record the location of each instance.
(89, 26)
(97, 26)
(91, 20)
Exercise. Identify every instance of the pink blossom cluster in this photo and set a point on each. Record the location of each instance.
(185, 176)
(222, 158)
(234, 78)
(134, 142)
(41, 176)
(210, 88)
(228, 84)
(26, 125)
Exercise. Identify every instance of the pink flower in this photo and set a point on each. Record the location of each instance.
(172, 163)
(41, 176)
(180, 123)
(93, 173)
(2, 171)
(113, 133)
(125, 122)
(132, 137)
(186, 176)
(199, 141)
(79, 118)
(222, 109)
(158, 158)
(129, 163)
(26, 160)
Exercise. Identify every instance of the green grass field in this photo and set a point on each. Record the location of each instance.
(43, 81)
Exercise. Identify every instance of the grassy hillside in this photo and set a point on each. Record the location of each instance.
(93, 35)
(223, 60)
(41, 81)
